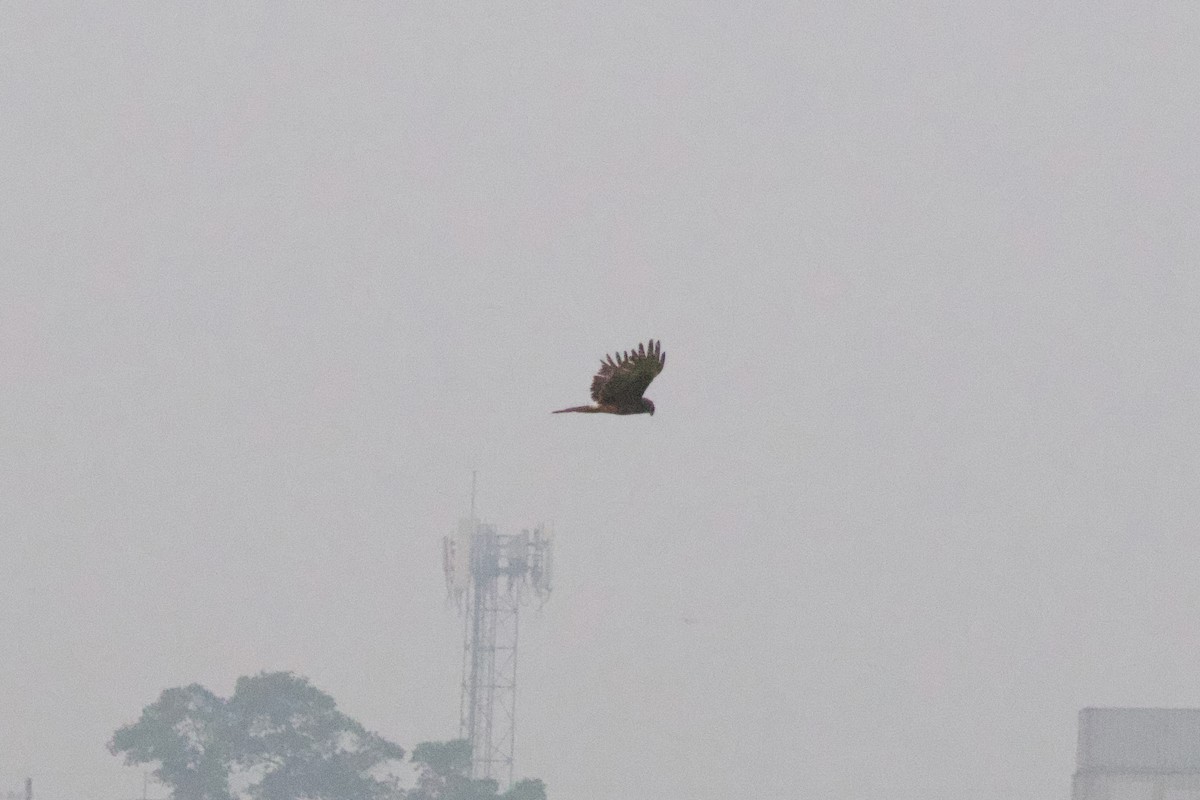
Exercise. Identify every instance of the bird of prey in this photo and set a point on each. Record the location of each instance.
(618, 386)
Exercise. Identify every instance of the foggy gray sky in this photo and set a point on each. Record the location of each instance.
(274, 280)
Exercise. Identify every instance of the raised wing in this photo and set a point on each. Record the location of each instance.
(622, 380)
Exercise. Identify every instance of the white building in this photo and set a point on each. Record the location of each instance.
(1138, 754)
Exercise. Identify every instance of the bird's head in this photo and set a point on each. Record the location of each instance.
(648, 404)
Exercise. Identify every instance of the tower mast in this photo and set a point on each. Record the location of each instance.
(490, 571)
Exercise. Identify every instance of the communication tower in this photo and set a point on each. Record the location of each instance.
(487, 573)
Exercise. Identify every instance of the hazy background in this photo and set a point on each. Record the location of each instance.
(274, 280)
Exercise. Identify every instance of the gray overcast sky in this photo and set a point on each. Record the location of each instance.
(274, 279)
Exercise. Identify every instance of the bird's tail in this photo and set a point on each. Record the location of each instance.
(580, 409)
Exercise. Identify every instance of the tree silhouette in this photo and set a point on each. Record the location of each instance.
(444, 769)
(276, 727)
(281, 738)
(187, 732)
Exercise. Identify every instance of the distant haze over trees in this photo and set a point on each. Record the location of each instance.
(280, 738)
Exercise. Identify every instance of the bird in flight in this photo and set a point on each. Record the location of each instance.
(618, 386)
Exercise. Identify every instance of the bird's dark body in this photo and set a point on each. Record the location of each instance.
(645, 407)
